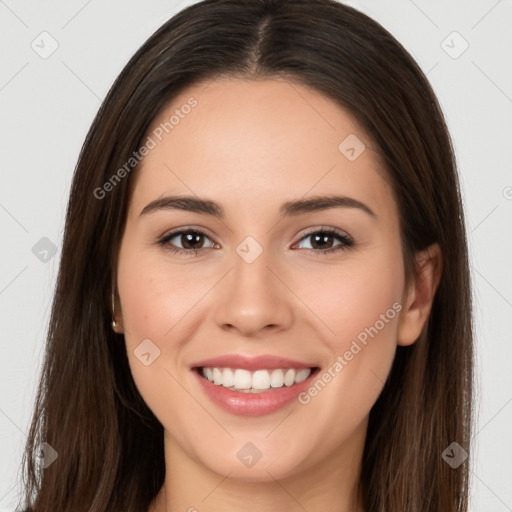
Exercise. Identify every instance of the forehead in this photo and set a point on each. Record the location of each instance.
(252, 142)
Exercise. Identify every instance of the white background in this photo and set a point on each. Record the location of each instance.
(48, 104)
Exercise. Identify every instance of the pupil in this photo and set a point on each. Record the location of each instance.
(322, 239)
(189, 240)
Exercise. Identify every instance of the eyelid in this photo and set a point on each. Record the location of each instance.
(325, 229)
(185, 229)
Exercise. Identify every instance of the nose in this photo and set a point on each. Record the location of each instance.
(252, 300)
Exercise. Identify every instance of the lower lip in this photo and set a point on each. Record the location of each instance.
(253, 404)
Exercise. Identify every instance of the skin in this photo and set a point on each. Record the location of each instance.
(251, 146)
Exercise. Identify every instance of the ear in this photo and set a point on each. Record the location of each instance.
(418, 298)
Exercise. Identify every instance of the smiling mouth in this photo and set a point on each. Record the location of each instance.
(259, 381)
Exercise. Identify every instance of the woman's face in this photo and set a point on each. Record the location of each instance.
(252, 298)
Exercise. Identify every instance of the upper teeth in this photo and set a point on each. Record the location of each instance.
(261, 379)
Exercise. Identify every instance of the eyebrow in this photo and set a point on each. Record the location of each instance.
(288, 209)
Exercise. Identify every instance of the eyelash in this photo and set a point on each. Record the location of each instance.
(347, 242)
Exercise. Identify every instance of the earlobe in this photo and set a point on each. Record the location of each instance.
(116, 325)
(418, 299)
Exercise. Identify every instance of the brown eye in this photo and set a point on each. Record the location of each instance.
(191, 239)
(324, 241)
(185, 241)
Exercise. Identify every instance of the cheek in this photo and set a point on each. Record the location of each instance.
(361, 307)
(155, 296)
(355, 299)
(358, 307)
(157, 302)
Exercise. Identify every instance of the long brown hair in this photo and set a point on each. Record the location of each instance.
(109, 443)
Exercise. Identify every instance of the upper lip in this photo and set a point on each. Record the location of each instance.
(251, 363)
